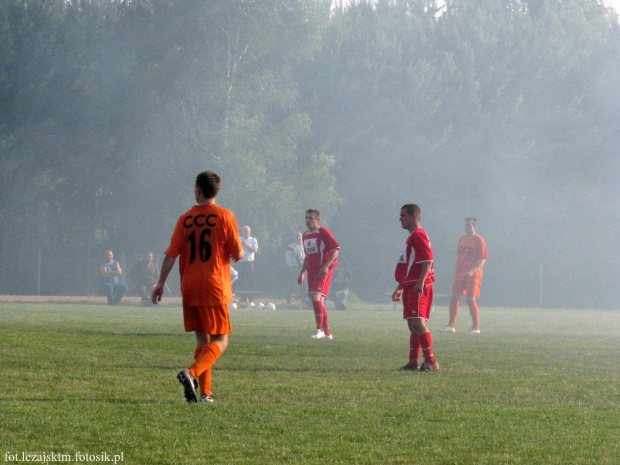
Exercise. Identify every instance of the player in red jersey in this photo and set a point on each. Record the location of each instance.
(471, 257)
(415, 275)
(321, 257)
(205, 238)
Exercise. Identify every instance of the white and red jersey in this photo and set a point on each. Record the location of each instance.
(416, 251)
(318, 244)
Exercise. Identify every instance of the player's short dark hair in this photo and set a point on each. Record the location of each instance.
(209, 184)
(411, 208)
(472, 219)
(314, 212)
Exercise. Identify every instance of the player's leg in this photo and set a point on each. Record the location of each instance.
(418, 324)
(410, 314)
(454, 309)
(414, 350)
(326, 330)
(453, 312)
(325, 285)
(207, 356)
(215, 322)
(475, 314)
(204, 379)
(318, 287)
(211, 326)
(191, 320)
(458, 289)
(473, 291)
(319, 313)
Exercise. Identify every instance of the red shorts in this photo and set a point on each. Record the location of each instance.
(210, 319)
(417, 304)
(470, 287)
(320, 284)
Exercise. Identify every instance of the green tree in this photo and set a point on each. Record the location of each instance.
(488, 108)
(230, 103)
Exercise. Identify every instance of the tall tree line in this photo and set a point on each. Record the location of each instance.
(506, 111)
(502, 110)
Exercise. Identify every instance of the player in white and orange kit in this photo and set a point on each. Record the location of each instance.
(205, 238)
(415, 275)
(321, 251)
(471, 256)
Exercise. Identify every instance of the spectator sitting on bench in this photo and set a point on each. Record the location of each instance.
(144, 276)
(110, 279)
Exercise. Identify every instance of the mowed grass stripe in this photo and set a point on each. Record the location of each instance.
(536, 387)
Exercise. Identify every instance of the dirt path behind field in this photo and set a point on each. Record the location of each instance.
(130, 301)
(87, 299)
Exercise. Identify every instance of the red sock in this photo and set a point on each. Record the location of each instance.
(318, 313)
(427, 347)
(414, 348)
(454, 310)
(474, 312)
(326, 329)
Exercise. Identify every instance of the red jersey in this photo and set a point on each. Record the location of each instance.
(470, 252)
(318, 244)
(205, 237)
(416, 251)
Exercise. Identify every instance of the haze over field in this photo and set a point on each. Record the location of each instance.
(506, 111)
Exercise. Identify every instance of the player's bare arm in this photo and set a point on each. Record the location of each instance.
(302, 273)
(479, 265)
(426, 268)
(166, 266)
(332, 256)
(397, 293)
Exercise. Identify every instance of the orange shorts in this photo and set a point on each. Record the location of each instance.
(210, 319)
(470, 287)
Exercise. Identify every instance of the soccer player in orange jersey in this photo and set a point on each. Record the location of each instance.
(205, 238)
(415, 276)
(471, 257)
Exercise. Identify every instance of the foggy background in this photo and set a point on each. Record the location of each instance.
(503, 110)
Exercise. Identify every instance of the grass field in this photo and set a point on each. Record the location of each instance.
(536, 387)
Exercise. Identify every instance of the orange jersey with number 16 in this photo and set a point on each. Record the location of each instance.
(204, 239)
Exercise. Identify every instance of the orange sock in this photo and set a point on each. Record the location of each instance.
(207, 356)
(204, 380)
